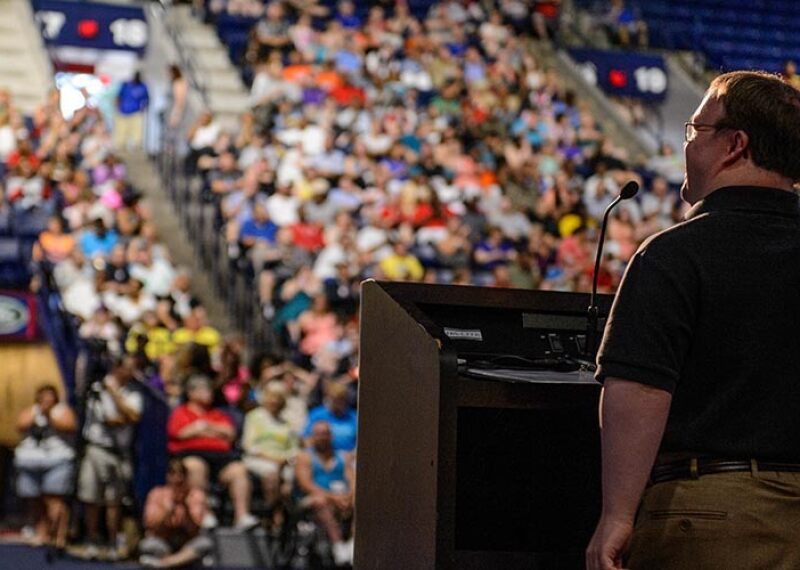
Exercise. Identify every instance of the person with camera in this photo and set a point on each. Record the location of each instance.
(113, 407)
(45, 463)
(173, 515)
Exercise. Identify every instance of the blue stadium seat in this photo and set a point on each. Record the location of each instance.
(30, 223)
(14, 272)
(732, 35)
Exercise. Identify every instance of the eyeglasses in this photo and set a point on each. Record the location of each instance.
(690, 129)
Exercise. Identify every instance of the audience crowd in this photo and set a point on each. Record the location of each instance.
(233, 427)
(380, 144)
(434, 149)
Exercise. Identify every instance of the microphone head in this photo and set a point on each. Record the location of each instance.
(629, 190)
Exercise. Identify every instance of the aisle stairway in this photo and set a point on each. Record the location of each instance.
(25, 69)
(144, 177)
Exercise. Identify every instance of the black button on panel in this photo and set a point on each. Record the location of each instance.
(555, 342)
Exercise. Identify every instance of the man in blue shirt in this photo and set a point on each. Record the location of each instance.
(259, 234)
(96, 241)
(339, 415)
(132, 100)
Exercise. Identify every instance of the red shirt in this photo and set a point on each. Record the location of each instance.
(347, 95)
(308, 236)
(184, 416)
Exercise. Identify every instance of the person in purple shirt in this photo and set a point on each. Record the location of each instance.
(494, 250)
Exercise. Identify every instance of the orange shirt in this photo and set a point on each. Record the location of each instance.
(296, 73)
(56, 247)
(328, 80)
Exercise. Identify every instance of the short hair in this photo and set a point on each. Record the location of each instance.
(48, 388)
(197, 381)
(335, 390)
(177, 464)
(768, 110)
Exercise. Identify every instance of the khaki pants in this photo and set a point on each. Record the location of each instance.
(748, 520)
(128, 129)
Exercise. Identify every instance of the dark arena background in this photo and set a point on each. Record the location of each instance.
(238, 237)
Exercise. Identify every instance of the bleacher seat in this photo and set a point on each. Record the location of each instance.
(760, 34)
(14, 272)
(30, 224)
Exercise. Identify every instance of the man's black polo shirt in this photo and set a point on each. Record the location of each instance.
(710, 311)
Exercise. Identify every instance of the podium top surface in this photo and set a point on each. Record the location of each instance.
(491, 297)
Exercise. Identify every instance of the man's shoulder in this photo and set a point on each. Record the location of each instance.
(683, 235)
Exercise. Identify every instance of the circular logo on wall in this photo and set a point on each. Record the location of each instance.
(14, 315)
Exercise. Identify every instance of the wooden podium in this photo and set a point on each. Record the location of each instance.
(455, 472)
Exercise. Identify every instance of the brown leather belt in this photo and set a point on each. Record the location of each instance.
(694, 468)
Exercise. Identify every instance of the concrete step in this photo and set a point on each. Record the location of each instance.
(200, 39)
(228, 102)
(212, 59)
(225, 87)
(225, 80)
(229, 120)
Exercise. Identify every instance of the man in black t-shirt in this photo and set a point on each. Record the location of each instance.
(700, 412)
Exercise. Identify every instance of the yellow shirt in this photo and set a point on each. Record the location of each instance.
(207, 336)
(401, 268)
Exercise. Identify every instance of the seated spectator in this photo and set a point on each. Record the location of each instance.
(156, 274)
(493, 251)
(340, 418)
(271, 33)
(231, 384)
(624, 26)
(53, 245)
(343, 290)
(269, 441)
(196, 329)
(325, 479)
(316, 326)
(45, 463)
(96, 240)
(113, 407)
(103, 328)
(668, 163)
(299, 384)
(259, 234)
(173, 516)
(346, 15)
(658, 207)
(150, 336)
(203, 437)
(130, 306)
(26, 188)
(401, 265)
(117, 270)
(790, 74)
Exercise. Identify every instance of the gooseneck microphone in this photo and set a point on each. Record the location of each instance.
(628, 191)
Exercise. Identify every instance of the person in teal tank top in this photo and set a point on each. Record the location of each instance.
(325, 481)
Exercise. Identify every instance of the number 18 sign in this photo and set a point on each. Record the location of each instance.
(92, 25)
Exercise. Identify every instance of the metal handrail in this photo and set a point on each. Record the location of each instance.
(187, 62)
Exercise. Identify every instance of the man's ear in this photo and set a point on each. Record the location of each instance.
(738, 147)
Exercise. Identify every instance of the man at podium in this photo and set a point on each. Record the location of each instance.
(699, 415)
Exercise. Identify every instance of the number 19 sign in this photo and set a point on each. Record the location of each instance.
(624, 74)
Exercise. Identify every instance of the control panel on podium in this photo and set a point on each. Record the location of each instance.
(478, 434)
